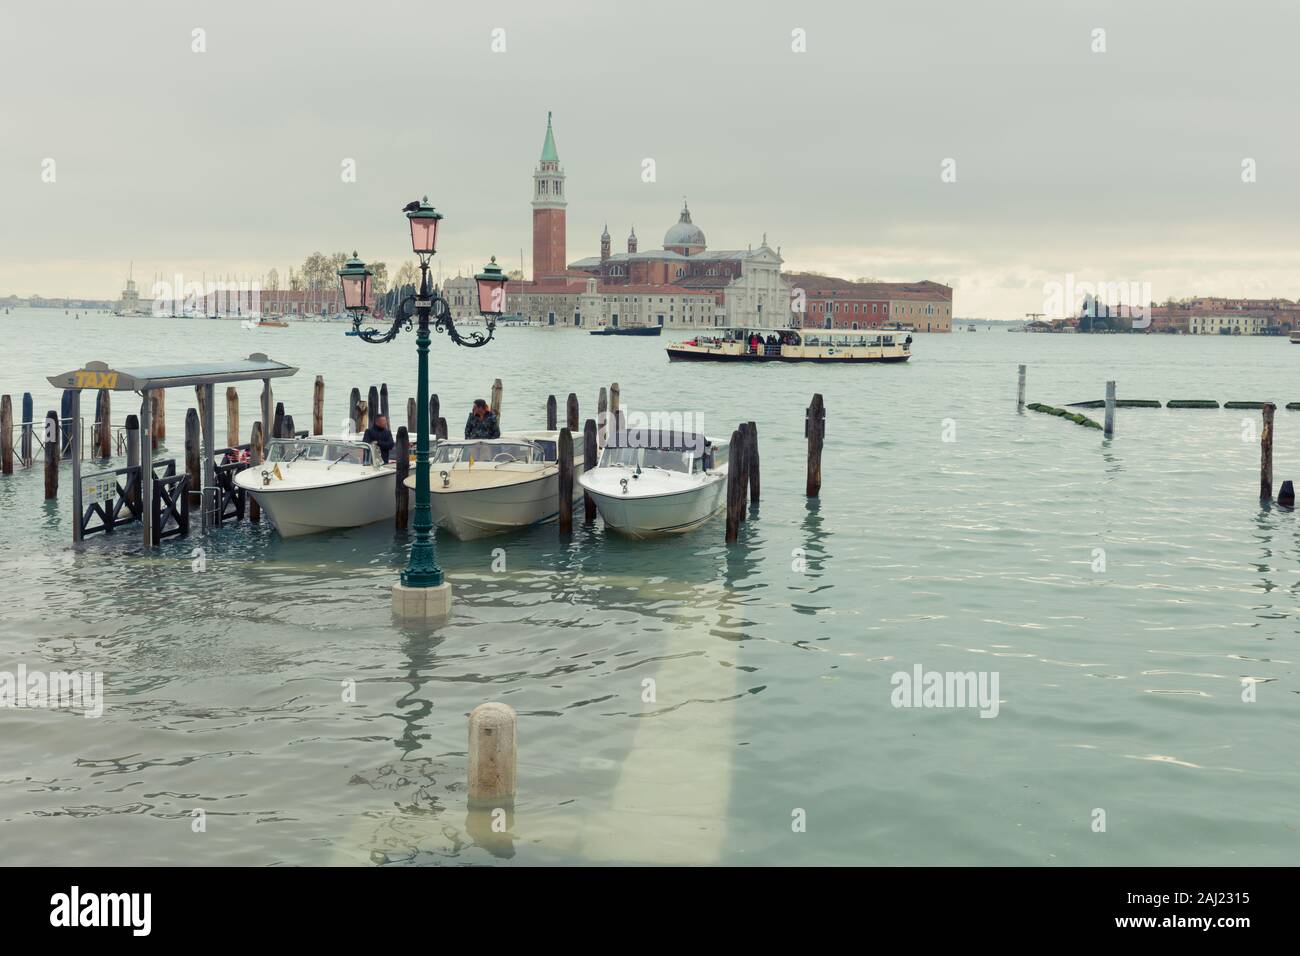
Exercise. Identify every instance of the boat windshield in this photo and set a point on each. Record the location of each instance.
(485, 451)
(287, 451)
(668, 460)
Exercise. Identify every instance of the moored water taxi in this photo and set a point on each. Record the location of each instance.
(794, 345)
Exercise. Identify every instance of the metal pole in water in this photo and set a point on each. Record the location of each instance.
(1110, 410)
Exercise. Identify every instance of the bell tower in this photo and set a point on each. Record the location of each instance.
(548, 211)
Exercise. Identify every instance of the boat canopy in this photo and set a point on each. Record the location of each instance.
(96, 375)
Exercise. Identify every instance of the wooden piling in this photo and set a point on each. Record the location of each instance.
(232, 416)
(6, 436)
(25, 447)
(193, 458)
(403, 460)
(133, 454)
(51, 455)
(158, 416)
(267, 408)
(1266, 455)
(254, 460)
(493, 746)
(435, 407)
(814, 429)
(735, 490)
(412, 416)
(383, 398)
(752, 460)
(742, 465)
(588, 463)
(372, 404)
(289, 430)
(602, 415)
(550, 413)
(201, 403)
(496, 398)
(565, 455)
(1109, 427)
(103, 438)
(572, 408)
(354, 409)
(1020, 391)
(66, 424)
(277, 423)
(441, 433)
(318, 406)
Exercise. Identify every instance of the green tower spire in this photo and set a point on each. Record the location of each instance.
(549, 155)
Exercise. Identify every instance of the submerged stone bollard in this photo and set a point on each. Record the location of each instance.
(493, 752)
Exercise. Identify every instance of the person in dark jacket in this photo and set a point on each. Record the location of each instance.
(482, 421)
(378, 433)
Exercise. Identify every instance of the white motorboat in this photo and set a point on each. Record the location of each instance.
(484, 486)
(674, 487)
(308, 485)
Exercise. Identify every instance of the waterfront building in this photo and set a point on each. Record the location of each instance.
(834, 303)
(682, 285)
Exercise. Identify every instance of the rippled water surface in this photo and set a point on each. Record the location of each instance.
(1121, 689)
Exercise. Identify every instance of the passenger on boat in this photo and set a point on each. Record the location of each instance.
(378, 434)
(482, 421)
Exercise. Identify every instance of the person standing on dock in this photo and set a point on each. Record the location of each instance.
(377, 433)
(482, 421)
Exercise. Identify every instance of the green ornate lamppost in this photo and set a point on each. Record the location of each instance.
(422, 593)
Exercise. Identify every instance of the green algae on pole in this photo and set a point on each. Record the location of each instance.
(1083, 420)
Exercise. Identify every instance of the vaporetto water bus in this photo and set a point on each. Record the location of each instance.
(794, 345)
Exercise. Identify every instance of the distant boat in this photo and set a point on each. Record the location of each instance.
(272, 324)
(794, 345)
(1295, 338)
(628, 330)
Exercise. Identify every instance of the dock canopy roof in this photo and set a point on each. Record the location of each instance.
(98, 375)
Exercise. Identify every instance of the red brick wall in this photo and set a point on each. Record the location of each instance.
(548, 242)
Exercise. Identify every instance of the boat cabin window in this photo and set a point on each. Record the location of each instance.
(668, 459)
(288, 451)
(485, 451)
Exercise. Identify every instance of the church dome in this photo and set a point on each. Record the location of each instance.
(684, 232)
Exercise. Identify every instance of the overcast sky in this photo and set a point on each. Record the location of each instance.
(1117, 166)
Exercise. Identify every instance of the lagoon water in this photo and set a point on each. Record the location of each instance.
(771, 737)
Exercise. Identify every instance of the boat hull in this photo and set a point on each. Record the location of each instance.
(631, 330)
(353, 504)
(481, 512)
(652, 516)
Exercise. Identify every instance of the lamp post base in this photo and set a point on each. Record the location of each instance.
(422, 604)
